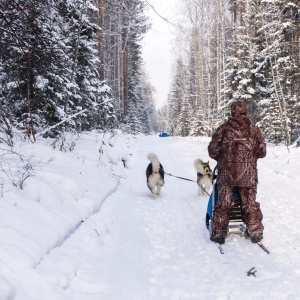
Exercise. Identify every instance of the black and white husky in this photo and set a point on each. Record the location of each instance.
(155, 174)
(204, 176)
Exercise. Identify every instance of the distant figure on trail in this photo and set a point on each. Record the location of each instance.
(236, 145)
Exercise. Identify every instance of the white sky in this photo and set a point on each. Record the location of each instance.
(157, 48)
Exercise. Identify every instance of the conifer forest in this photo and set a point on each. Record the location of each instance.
(77, 65)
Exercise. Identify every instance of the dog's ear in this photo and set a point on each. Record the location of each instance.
(201, 161)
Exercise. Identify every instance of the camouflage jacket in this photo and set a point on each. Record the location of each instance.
(236, 146)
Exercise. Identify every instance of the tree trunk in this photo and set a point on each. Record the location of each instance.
(101, 40)
(30, 75)
(209, 67)
(235, 28)
(120, 59)
(126, 80)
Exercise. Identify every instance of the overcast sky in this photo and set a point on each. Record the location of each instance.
(157, 48)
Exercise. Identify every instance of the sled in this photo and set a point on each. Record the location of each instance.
(236, 221)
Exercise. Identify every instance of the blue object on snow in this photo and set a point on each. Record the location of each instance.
(163, 134)
(213, 200)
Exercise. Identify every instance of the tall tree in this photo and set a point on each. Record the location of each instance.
(184, 121)
(251, 53)
(198, 124)
(125, 25)
(132, 123)
(50, 72)
(177, 95)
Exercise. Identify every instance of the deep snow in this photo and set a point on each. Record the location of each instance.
(86, 228)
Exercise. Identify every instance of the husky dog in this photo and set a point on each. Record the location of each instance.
(155, 174)
(204, 176)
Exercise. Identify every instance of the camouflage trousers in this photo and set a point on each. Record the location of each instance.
(251, 211)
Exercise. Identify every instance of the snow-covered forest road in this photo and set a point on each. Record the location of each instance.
(135, 247)
(164, 251)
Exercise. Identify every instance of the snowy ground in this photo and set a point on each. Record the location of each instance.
(86, 228)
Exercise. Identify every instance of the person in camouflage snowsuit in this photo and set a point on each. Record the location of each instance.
(236, 145)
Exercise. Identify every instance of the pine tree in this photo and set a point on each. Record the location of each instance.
(283, 68)
(246, 78)
(51, 72)
(134, 26)
(184, 120)
(198, 124)
(32, 56)
(132, 123)
(91, 94)
(144, 118)
(147, 106)
(271, 123)
(176, 97)
(291, 17)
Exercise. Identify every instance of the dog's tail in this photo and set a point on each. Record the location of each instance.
(152, 157)
(198, 163)
(154, 160)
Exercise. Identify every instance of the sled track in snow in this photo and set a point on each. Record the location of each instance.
(73, 230)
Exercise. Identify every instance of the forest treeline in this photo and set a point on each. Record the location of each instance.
(73, 65)
(69, 65)
(231, 50)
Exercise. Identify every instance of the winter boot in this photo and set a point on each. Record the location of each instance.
(256, 239)
(220, 240)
